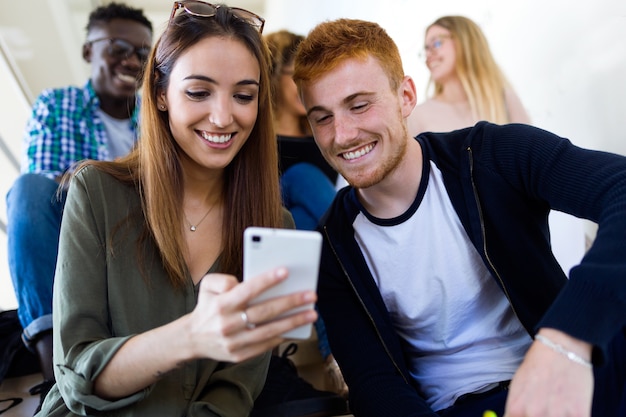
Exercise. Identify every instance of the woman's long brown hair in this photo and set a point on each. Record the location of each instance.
(251, 191)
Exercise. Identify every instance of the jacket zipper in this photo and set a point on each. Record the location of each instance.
(382, 341)
(484, 234)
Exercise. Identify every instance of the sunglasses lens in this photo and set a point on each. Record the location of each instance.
(198, 8)
(248, 17)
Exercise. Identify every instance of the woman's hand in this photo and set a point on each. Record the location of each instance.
(215, 329)
(224, 326)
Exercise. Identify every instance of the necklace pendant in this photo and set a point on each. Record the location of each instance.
(192, 228)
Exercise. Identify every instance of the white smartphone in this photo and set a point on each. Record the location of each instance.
(297, 250)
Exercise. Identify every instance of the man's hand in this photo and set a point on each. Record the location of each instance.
(549, 384)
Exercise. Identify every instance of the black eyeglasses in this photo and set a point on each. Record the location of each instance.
(121, 49)
(204, 9)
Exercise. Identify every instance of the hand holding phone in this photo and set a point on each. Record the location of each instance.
(297, 250)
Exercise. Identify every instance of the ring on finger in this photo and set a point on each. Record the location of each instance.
(246, 321)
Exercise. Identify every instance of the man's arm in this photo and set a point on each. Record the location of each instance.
(42, 143)
(564, 383)
(555, 378)
(551, 171)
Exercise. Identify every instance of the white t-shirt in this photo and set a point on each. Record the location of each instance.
(458, 328)
(121, 136)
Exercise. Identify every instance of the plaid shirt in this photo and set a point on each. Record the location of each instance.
(64, 128)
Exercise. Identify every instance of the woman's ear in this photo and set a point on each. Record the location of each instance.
(161, 101)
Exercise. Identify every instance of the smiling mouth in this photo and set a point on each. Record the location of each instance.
(127, 78)
(216, 138)
(348, 156)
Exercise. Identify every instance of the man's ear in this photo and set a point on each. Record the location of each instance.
(408, 95)
(87, 52)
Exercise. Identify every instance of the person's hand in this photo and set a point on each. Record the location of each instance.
(224, 326)
(549, 384)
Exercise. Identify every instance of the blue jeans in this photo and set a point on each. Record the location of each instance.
(34, 213)
(307, 194)
(609, 391)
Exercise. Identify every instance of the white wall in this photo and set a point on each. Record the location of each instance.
(14, 110)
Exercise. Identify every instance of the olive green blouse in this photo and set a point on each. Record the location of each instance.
(102, 298)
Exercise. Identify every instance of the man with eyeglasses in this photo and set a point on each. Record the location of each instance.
(67, 125)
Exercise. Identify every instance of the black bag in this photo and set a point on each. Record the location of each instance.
(16, 359)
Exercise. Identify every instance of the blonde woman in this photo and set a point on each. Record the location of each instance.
(466, 82)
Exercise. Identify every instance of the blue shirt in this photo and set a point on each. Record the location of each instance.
(65, 128)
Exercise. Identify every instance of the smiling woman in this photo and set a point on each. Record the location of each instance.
(468, 85)
(220, 108)
(166, 335)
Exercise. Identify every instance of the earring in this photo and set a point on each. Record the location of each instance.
(162, 107)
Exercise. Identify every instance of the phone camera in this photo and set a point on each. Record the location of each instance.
(256, 238)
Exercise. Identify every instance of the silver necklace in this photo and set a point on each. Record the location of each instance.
(193, 227)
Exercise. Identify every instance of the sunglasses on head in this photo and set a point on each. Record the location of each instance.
(203, 9)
